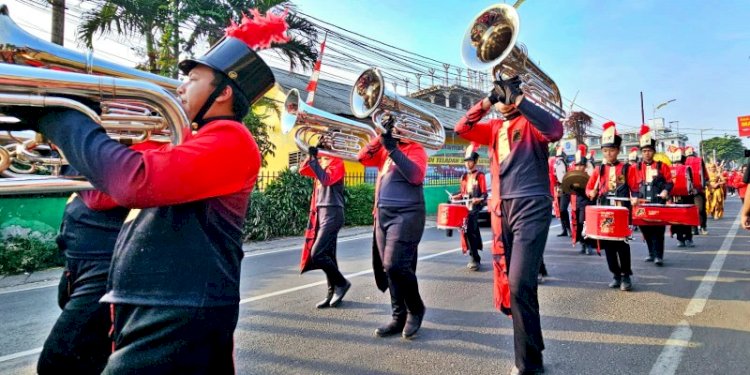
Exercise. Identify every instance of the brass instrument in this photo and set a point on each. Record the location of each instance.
(490, 44)
(132, 110)
(334, 135)
(370, 98)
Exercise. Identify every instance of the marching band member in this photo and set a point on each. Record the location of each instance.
(563, 199)
(739, 182)
(633, 156)
(715, 192)
(700, 181)
(614, 179)
(682, 182)
(591, 163)
(580, 200)
(474, 188)
(399, 223)
(326, 219)
(174, 281)
(519, 206)
(655, 181)
(79, 341)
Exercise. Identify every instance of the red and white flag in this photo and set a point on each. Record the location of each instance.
(313, 85)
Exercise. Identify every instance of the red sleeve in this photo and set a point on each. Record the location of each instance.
(305, 169)
(335, 171)
(373, 154)
(665, 171)
(634, 181)
(482, 184)
(222, 158)
(479, 132)
(592, 182)
(416, 153)
(99, 201)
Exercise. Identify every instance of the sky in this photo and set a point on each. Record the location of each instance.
(602, 52)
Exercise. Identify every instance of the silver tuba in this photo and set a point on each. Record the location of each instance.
(335, 135)
(370, 98)
(135, 107)
(490, 45)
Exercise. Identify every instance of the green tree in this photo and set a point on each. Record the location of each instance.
(132, 18)
(209, 18)
(727, 148)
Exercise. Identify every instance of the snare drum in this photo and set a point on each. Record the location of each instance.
(661, 214)
(451, 216)
(607, 223)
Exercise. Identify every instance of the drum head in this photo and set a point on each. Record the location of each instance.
(574, 179)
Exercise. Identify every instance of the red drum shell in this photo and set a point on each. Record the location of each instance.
(607, 223)
(669, 214)
(451, 216)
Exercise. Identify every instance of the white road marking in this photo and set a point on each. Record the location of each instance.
(13, 356)
(671, 355)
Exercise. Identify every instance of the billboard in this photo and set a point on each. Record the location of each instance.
(743, 125)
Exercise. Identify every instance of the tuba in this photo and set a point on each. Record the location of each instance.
(335, 135)
(490, 43)
(370, 98)
(135, 106)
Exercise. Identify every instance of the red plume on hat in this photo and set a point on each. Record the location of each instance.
(647, 137)
(260, 31)
(580, 157)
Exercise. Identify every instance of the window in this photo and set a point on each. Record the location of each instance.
(296, 158)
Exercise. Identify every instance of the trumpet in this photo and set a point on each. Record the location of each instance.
(335, 135)
(132, 110)
(490, 44)
(370, 98)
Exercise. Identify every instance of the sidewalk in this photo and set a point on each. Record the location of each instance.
(52, 276)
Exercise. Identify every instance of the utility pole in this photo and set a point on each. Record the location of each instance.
(58, 21)
(176, 35)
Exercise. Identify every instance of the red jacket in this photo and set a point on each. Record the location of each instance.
(603, 187)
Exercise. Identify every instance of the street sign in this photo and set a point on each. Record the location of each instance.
(743, 124)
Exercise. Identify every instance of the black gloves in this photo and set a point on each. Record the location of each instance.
(313, 151)
(29, 117)
(388, 141)
(506, 92)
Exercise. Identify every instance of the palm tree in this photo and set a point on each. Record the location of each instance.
(134, 18)
(209, 18)
(578, 124)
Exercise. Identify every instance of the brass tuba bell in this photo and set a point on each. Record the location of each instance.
(490, 45)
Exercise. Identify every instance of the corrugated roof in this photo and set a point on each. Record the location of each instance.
(333, 97)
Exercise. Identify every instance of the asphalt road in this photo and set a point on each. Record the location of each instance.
(691, 316)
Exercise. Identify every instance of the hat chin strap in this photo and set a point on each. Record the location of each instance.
(208, 103)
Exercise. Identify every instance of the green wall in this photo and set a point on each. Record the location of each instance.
(45, 208)
(434, 195)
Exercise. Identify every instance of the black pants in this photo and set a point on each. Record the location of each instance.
(618, 257)
(173, 340)
(683, 232)
(654, 235)
(580, 218)
(472, 235)
(79, 341)
(525, 225)
(397, 233)
(700, 202)
(564, 201)
(323, 252)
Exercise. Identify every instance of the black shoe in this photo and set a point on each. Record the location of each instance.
(563, 234)
(649, 259)
(695, 231)
(682, 244)
(658, 262)
(338, 294)
(615, 283)
(583, 249)
(413, 323)
(626, 284)
(395, 327)
(689, 243)
(473, 265)
(325, 303)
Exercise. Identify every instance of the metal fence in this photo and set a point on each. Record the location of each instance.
(352, 179)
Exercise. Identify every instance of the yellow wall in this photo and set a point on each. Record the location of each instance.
(285, 142)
